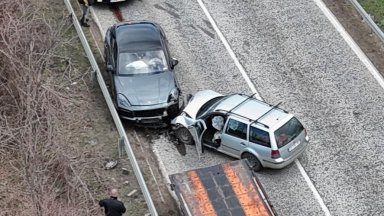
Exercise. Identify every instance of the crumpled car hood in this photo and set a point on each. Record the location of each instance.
(198, 100)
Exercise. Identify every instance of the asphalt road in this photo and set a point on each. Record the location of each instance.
(292, 54)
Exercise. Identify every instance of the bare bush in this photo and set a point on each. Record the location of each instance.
(40, 177)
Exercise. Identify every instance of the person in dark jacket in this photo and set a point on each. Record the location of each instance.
(112, 206)
(84, 5)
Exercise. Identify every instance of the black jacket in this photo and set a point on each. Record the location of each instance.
(112, 206)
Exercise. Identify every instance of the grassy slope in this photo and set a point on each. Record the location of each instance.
(376, 9)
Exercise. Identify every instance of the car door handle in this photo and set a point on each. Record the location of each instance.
(243, 144)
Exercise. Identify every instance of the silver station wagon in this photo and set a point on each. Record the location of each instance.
(242, 127)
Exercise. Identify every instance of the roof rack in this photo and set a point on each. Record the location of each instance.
(252, 120)
(248, 97)
(273, 107)
(276, 106)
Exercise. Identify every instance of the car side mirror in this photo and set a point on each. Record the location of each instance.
(110, 69)
(174, 62)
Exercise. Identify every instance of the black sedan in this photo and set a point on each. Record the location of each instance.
(144, 86)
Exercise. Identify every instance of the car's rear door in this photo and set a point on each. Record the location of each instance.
(259, 141)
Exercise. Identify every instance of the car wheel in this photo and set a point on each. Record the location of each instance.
(184, 136)
(253, 161)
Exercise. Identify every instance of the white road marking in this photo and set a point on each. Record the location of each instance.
(313, 188)
(253, 88)
(363, 58)
(229, 49)
(138, 139)
(154, 178)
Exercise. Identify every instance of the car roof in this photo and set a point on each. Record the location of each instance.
(253, 109)
(137, 36)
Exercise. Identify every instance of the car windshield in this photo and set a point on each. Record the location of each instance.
(209, 106)
(144, 62)
(288, 132)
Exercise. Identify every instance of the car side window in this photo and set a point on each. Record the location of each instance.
(259, 137)
(236, 129)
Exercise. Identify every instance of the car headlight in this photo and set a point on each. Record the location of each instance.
(122, 101)
(173, 95)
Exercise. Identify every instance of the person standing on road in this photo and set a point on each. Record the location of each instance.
(84, 5)
(112, 206)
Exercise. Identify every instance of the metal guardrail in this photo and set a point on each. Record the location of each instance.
(368, 19)
(115, 116)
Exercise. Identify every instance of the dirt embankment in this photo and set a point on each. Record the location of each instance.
(55, 131)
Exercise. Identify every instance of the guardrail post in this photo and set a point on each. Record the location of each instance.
(93, 76)
(120, 146)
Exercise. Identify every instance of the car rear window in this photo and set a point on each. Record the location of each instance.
(288, 132)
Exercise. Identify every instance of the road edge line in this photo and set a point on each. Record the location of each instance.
(253, 88)
(352, 44)
(312, 187)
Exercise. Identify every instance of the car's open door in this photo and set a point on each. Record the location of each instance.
(197, 130)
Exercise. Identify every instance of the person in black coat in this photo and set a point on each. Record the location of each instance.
(84, 5)
(112, 206)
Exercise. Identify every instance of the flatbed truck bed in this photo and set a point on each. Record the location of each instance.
(226, 189)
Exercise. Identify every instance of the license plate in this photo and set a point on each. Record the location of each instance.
(294, 145)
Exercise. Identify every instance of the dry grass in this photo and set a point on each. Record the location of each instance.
(39, 162)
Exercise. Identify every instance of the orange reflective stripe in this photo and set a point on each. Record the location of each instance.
(249, 198)
(205, 206)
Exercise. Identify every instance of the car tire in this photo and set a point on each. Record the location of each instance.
(184, 136)
(253, 161)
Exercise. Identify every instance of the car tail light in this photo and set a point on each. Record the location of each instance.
(275, 154)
